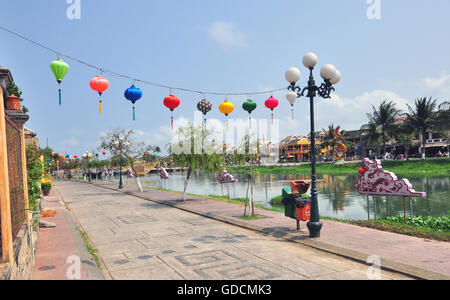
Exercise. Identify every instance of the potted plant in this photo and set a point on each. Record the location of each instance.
(46, 186)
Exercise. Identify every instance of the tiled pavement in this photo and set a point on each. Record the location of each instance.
(138, 239)
(59, 248)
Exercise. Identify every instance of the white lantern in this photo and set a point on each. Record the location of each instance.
(336, 78)
(291, 97)
(310, 60)
(328, 72)
(293, 75)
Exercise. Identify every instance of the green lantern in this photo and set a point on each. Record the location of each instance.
(60, 69)
(249, 106)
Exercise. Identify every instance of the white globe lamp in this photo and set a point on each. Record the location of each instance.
(310, 60)
(293, 75)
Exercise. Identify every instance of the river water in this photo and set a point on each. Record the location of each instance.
(337, 196)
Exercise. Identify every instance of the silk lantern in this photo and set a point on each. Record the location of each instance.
(133, 94)
(59, 69)
(271, 104)
(226, 108)
(172, 102)
(99, 84)
(291, 98)
(249, 106)
(204, 107)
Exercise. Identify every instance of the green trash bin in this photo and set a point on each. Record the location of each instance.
(290, 209)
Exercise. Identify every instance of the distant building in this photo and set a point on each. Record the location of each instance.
(30, 137)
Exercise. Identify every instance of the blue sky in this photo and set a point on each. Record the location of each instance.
(223, 46)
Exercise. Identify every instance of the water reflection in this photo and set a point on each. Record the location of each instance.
(337, 196)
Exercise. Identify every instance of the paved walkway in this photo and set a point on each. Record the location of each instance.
(61, 248)
(141, 239)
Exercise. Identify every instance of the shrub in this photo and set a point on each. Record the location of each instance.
(46, 186)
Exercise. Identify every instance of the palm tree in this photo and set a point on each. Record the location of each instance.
(384, 118)
(329, 137)
(442, 123)
(421, 118)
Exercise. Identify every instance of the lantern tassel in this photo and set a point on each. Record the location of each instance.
(60, 97)
(100, 107)
(272, 118)
(292, 114)
(134, 114)
(250, 122)
(171, 122)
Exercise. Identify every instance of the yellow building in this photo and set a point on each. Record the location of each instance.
(298, 149)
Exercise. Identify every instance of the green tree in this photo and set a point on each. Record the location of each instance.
(421, 118)
(35, 171)
(13, 89)
(195, 148)
(384, 118)
(125, 144)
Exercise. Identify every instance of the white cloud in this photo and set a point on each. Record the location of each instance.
(227, 35)
(69, 143)
(440, 83)
(351, 113)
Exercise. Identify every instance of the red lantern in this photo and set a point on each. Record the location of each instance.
(172, 102)
(75, 156)
(271, 104)
(362, 171)
(99, 84)
(104, 153)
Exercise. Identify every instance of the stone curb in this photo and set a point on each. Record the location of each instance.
(360, 257)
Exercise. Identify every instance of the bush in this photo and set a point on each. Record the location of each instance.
(434, 223)
(46, 186)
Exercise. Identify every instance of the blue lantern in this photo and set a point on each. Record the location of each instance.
(133, 94)
(67, 156)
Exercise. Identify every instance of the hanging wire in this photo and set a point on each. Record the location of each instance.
(119, 75)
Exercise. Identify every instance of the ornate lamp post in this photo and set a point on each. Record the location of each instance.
(88, 156)
(120, 145)
(331, 76)
(120, 173)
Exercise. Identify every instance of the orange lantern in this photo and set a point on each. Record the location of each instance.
(99, 84)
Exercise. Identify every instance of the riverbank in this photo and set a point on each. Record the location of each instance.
(418, 228)
(435, 167)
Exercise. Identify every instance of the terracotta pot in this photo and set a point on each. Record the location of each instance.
(13, 103)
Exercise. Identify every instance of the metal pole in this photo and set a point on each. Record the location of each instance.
(314, 225)
(375, 206)
(368, 208)
(404, 208)
(120, 174)
(410, 207)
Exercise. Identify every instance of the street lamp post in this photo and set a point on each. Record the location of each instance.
(120, 174)
(87, 156)
(331, 76)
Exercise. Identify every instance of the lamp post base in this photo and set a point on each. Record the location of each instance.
(314, 229)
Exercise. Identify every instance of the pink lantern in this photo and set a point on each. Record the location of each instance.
(271, 104)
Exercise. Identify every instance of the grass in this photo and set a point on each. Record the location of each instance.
(396, 225)
(439, 167)
(93, 251)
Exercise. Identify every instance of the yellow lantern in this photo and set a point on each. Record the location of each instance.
(226, 108)
(90, 155)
